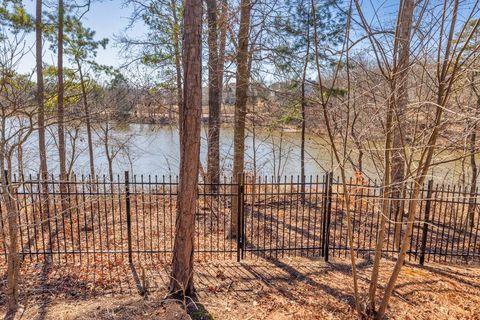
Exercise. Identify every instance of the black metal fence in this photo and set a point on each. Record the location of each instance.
(133, 218)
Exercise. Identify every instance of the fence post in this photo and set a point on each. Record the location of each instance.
(239, 217)
(242, 211)
(129, 218)
(324, 209)
(5, 252)
(328, 214)
(325, 213)
(426, 222)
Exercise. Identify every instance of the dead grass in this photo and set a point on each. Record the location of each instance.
(291, 288)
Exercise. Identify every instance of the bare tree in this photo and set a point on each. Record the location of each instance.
(16, 125)
(396, 77)
(411, 130)
(471, 126)
(450, 58)
(113, 144)
(400, 77)
(472, 139)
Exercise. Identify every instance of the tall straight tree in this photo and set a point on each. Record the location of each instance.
(213, 170)
(222, 28)
(303, 105)
(60, 102)
(242, 79)
(181, 283)
(40, 97)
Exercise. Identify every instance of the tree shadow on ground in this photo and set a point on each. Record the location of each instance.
(43, 279)
(294, 276)
(43, 284)
(135, 308)
(457, 276)
(139, 283)
(172, 307)
(46, 289)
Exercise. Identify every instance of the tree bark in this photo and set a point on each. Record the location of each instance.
(240, 105)
(222, 26)
(181, 283)
(401, 101)
(213, 166)
(20, 168)
(13, 260)
(40, 97)
(60, 109)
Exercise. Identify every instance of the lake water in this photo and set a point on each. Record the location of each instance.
(154, 149)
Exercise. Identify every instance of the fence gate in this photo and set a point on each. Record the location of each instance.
(284, 217)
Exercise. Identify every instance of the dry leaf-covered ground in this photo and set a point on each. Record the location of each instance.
(295, 288)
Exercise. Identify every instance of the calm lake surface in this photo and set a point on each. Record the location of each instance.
(154, 149)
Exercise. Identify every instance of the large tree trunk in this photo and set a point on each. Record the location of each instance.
(401, 102)
(60, 110)
(240, 105)
(40, 97)
(213, 169)
(182, 274)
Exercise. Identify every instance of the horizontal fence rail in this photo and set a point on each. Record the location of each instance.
(130, 218)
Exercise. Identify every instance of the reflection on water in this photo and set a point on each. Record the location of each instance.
(153, 149)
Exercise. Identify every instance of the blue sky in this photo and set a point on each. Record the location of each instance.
(107, 18)
(110, 17)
